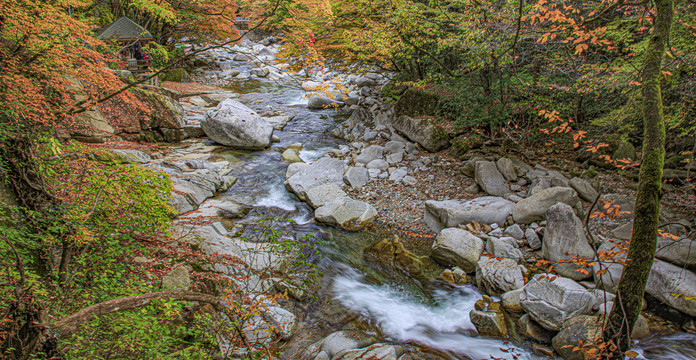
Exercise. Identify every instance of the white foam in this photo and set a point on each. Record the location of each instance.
(403, 317)
(308, 155)
(277, 197)
(298, 99)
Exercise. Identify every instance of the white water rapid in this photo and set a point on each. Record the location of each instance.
(403, 317)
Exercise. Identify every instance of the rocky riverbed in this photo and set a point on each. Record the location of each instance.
(477, 229)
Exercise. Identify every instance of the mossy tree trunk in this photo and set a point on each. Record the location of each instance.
(641, 252)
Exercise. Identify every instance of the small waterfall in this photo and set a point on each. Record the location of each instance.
(443, 325)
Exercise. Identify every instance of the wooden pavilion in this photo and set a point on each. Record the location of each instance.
(132, 37)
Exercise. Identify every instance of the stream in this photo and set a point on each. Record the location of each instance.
(404, 312)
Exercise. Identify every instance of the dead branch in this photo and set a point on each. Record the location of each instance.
(69, 325)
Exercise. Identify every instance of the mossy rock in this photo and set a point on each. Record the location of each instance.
(459, 147)
(393, 90)
(624, 150)
(107, 157)
(414, 102)
(176, 75)
(588, 174)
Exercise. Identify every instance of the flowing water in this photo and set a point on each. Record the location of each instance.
(404, 311)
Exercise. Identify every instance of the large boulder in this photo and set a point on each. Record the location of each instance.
(233, 124)
(374, 351)
(489, 323)
(422, 131)
(349, 214)
(470, 167)
(450, 213)
(680, 251)
(91, 127)
(551, 300)
(490, 179)
(624, 151)
(322, 194)
(322, 102)
(177, 279)
(166, 115)
(673, 286)
(580, 330)
(564, 239)
(345, 340)
(507, 169)
(392, 254)
(458, 247)
(324, 170)
(356, 177)
(533, 330)
(505, 247)
(495, 276)
(370, 153)
(414, 102)
(534, 207)
(584, 189)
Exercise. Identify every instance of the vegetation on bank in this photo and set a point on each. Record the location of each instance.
(75, 219)
(84, 233)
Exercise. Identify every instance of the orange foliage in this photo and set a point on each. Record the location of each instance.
(49, 65)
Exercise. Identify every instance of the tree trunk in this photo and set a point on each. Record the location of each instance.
(65, 256)
(641, 251)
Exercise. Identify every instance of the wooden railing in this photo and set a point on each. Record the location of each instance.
(137, 66)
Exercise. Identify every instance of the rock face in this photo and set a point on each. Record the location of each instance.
(490, 179)
(677, 251)
(92, 127)
(458, 247)
(349, 214)
(582, 328)
(322, 194)
(422, 131)
(324, 170)
(489, 323)
(666, 279)
(505, 247)
(511, 300)
(550, 303)
(374, 351)
(584, 189)
(391, 253)
(563, 238)
(356, 177)
(450, 213)
(534, 207)
(507, 169)
(341, 341)
(177, 279)
(531, 329)
(370, 153)
(291, 155)
(283, 321)
(192, 187)
(233, 124)
(495, 277)
(322, 102)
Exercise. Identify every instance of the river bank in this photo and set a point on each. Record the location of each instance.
(484, 213)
